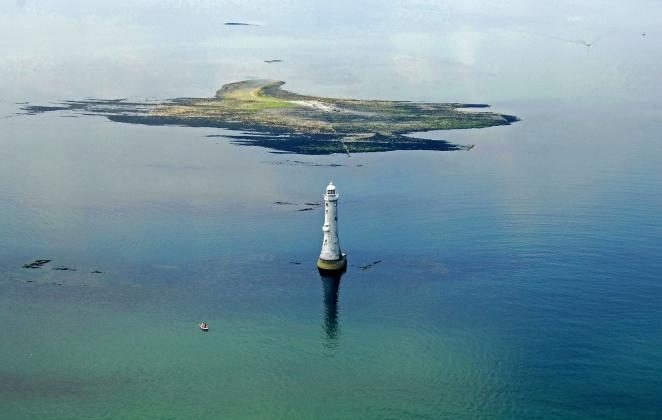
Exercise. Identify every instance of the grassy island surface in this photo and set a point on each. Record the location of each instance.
(269, 116)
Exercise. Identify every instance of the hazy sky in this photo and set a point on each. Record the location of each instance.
(420, 50)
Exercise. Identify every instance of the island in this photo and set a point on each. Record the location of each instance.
(263, 114)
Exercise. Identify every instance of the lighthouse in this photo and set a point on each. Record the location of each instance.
(331, 258)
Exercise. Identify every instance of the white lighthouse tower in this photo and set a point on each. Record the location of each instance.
(331, 258)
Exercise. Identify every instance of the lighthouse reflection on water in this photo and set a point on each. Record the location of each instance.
(330, 292)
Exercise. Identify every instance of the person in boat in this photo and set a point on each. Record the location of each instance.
(204, 325)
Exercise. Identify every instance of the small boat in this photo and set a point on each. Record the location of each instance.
(204, 326)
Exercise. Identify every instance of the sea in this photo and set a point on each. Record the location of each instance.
(517, 280)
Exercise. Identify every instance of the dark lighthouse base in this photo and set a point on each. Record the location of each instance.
(333, 265)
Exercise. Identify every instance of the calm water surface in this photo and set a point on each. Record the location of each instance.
(518, 280)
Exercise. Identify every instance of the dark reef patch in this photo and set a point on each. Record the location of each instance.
(288, 162)
(63, 268)
(36, 264)
(369, 266)
(328, 144)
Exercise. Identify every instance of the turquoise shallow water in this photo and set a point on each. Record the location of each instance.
(518, 280)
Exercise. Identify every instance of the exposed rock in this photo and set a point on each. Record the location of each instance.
(368, 266)
(63, 268)
(36, 264)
